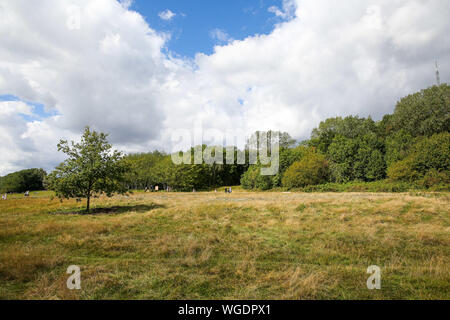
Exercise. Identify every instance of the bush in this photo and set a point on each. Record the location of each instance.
(252, 179)
(436, 179)
(403, 171)
(428, 160)
(376, 186)
(311, 170)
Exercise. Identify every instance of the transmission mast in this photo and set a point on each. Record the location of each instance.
(438, 77)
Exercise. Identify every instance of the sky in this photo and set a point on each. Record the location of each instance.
(197, 26)
(141, 70)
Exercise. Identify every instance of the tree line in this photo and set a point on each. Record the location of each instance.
(22, 181)
(411, 146)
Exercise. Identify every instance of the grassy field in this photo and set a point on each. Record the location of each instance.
(218, 246)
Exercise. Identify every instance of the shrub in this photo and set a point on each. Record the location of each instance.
(312, 169)
(403, 171)
(375, 186)
(428, 160)
(252, 179)
(435, 178)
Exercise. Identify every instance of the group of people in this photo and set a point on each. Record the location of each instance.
(168, 189)
(156, 189)
(147, 189)
(5, 196)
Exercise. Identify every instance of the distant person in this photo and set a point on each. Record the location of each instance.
(27, 194)
(5, 196)
(146, 189)
(231, 191)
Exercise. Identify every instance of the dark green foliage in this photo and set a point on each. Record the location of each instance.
(432, 153)
(397, 146)
(354, 147)
(24, 180)
(253, 180)
(355, 186)
(361, 150)
(151, 169)
(436, 180)
(424, 113)
(349, 128)
(359, 158)
(143, 173)
(428, 158)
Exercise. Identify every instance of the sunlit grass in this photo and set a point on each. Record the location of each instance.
(218, 246)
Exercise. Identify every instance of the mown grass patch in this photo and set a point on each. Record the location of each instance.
(240, 246)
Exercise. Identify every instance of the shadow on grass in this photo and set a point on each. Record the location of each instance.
(139, 208)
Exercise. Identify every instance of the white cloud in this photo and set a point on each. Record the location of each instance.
(287, 11)
(126, 3)
(220, 35)
(330, 58)
(167, 15)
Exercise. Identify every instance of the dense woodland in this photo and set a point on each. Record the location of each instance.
(407, 149)
(22, 181)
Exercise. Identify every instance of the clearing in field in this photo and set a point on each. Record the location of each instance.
(220, 246)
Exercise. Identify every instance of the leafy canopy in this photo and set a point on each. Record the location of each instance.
(24, 180)
(91, 168)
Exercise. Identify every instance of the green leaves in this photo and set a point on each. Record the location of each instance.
(428, 158)
(424, 113)
(91, 168)
(24, 180)
(312, 169)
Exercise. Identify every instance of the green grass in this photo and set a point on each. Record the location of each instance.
(216, 246)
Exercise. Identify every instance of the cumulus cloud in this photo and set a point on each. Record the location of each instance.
(166, 15)
(25, 144)
(328, 58)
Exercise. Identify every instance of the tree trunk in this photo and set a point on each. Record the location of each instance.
(88, 196)
(88, 202)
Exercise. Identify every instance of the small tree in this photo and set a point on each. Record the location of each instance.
(91, 168)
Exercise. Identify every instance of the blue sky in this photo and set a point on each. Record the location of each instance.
(195, 20)
(39, 112)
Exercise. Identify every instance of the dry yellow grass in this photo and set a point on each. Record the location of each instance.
(238, 246)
